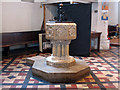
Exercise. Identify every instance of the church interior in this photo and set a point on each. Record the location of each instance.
(59, 44)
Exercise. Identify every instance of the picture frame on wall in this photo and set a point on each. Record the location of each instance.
(104, 11)
(104, 15)
(104, 5)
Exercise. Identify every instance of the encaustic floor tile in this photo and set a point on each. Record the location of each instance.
(34, 81)
(11, 86)
(103, 66)
(86, 79)
(17, 67)
(106, 76)
(92, 59)
(106, 53)
(13, 77)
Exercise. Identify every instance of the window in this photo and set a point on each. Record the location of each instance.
(32, 1)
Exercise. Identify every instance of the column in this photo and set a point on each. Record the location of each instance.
(63, 50)
(58, 50)
(66, 50)
(54, 50)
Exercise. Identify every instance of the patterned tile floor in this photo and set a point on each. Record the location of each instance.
(104, 72)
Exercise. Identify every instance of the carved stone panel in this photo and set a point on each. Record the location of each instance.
(61, 31)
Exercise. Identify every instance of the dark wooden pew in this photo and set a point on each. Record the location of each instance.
(19, 38)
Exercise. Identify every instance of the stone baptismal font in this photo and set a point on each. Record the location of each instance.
(59, 67)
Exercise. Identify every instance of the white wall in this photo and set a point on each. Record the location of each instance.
(21, 16)
(0, 27)
(103, 27)
(0, 17)
(94, 17)
(119, 13)
(113, 13)
(99, 25)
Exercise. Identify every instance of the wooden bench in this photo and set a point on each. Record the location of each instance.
(19, 38)
(113, 30)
